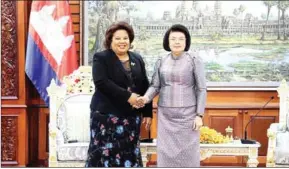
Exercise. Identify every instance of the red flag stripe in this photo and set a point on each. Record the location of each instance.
(69, 60)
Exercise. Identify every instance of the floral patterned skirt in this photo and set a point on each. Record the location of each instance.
(114, 141)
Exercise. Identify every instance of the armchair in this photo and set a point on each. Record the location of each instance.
(278, 133)
(70, 118)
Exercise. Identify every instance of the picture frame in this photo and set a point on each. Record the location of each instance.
(243, 46)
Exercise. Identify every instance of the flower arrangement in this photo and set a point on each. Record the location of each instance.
(211, 136)
(80, 81)
(78, 84)
(72, 83)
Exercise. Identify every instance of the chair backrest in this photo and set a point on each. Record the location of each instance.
(73, 117)
(283, 93)
(80, 81)
(70, 104)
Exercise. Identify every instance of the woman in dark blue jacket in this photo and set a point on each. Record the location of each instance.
(120, 78)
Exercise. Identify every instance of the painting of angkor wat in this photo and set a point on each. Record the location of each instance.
(243, 43)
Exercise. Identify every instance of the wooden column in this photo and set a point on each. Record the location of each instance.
(14, 126)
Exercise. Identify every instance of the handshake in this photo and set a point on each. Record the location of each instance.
(137, 101)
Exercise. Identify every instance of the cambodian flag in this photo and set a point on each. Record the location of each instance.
(51, 52)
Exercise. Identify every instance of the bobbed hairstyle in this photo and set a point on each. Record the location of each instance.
(177, 28)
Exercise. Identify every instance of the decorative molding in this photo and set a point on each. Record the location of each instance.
(14, 106)
(225, 150)
(9, 60)
(9, 138)
(242, 106)
(207, 150)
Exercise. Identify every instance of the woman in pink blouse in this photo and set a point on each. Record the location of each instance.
(179, 79)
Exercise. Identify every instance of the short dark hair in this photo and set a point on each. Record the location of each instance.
(177, 28)
(115, 27)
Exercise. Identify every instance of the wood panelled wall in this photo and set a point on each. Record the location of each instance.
(75, 10)
(25, 117)
(14, 128)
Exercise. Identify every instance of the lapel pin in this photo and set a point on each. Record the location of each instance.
(132, 63)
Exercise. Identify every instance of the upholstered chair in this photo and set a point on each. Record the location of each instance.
(70, 118)
(278, 133)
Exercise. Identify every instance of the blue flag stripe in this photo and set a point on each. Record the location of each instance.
(38, 69)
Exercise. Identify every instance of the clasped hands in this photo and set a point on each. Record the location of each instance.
(137, 101)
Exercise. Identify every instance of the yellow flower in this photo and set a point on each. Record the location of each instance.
(211, 136)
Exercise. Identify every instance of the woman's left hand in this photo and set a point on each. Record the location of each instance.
(147, 121)
(198, 123)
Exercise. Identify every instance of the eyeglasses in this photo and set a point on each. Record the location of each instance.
(179, 40)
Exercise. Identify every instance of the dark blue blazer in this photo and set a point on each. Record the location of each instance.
(111, 84)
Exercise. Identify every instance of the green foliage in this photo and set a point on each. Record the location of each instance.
(214, 66)
(269, 4)
(284, 5)
(90, 43)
